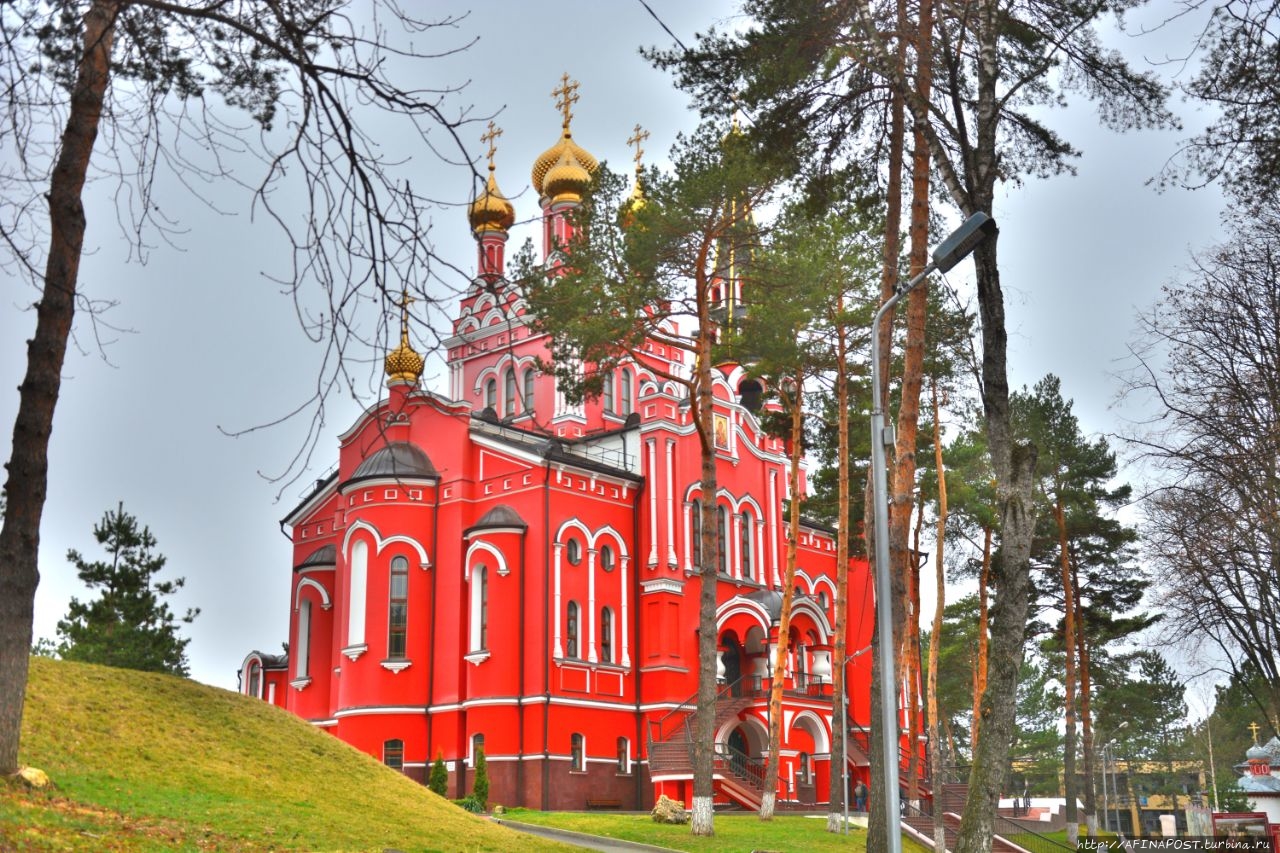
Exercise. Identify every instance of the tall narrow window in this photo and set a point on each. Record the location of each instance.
(571, 642)
(491, 394)
(479, 607)
(356, 601)
(254, 681)
(748, 570)
(624, 756)
(526, 405)
(578, 757)
(722, 538)
(304, 640)
(607, 394)
(393, 753)
(625, 393)
(606, 635)
(398, 608)
(509, 391)
(695, 547)
(477, 746)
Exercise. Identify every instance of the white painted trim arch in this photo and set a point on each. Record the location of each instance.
(381, 544)
(821, 735)
(325, 603)
(489, 548)
(754, 610)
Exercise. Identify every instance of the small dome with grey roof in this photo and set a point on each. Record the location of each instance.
(499, 517)
(397, 460)
(325, 555)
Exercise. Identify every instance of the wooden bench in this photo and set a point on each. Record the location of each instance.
(604, 804)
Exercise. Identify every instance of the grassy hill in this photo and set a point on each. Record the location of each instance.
(153, 762)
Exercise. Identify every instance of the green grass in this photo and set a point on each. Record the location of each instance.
(734, 832)
(156, 763)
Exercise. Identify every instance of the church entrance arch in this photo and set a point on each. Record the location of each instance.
(732, 658)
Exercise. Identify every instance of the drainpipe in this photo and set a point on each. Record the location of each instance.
(546, 645)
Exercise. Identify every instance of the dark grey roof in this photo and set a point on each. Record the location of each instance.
(772, 601)
(325, 555)
(398, 459)
(500, 516)
(272, 661)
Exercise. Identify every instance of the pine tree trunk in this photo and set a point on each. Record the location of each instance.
(839, 713)
(703, 818)
(1069, 682)
(1086, 717)
(28, 466)
(980, 662)
(788, 594)
(935, 635)
(911, 655)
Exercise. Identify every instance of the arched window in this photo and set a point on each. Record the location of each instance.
(578, 755)
(491, 394)
(625, 393)
(303, 647)
(527, 403)
(509, 390)
(477, 747)
(606, 635)
(393, 753)
(748, 536)
(571, 640)
(822, 599)
(479, 607)
(253, 684)
(695, 547)
(606, 558)
(722, 537)
(606, 395)
(574, 552)
(806, 767)
(624, 756)
(398, 608)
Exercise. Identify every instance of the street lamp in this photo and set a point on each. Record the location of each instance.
(950, 252)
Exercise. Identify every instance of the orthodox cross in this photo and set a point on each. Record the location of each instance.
(490, 138)
(405, 301)
(1253, 727)
(566, 95)
(637, 139)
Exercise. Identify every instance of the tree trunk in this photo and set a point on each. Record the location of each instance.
(911, 659)
(1014, 465)
(703, 819)
(980, 661)
(1069, 682)
(935, 635)
(1086, 718)
(876, 819)
(839, 713)
(784, 620)
(28, 466)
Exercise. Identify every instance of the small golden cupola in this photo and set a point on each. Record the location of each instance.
(491, 211)
(636, 201)
(403, 365)
(563, 171)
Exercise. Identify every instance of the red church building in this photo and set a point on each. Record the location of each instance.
(491, 566)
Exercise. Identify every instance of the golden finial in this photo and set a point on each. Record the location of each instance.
(490, 138)
(402, 364)
(566, 95)
(1254, 727)
(637, 139)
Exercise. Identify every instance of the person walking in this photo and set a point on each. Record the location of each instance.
(860, 797)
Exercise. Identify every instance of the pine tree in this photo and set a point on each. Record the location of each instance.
(480, 788)
(439, 780)
(129, 625)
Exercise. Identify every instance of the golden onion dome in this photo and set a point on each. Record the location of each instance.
(491, 211)
(403, 364)
(567, 180)
(551, 158)
(634, 203)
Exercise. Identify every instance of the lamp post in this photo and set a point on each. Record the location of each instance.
(950, 252)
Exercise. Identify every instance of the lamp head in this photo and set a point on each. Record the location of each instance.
(963, 240)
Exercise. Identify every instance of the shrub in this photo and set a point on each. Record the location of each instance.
(480, 790)
(439, 780)
(469, 803)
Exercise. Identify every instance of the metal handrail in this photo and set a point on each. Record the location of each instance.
(741, 765)
(686, 708)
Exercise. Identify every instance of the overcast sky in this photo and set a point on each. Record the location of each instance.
(214, 347)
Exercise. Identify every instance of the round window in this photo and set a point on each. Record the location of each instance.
(606, 558)
(574, 552)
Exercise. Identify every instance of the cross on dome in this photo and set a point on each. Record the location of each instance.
(566, 95)
(637, 139)
(1254, 727)
(490, 138)
(405, 301)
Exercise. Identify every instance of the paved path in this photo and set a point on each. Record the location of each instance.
(580, 839)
